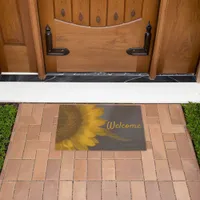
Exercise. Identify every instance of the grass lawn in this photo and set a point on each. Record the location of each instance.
(192, 116)
(7, 119)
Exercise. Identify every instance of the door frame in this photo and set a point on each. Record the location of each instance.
(158, 39)
(198, 71)
(34, 16)
(37, 38)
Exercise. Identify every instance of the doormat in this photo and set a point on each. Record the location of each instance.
(115, 127)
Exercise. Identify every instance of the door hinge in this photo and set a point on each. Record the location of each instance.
(49, 46)
(139, 51)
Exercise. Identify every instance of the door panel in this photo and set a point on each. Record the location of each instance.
(17, 58)
(102, 48)
(10, 23)
(81, 13)
(63, 10)
(17, 53)
(182, 28)
(97, 34)
(133, 10)
(115, 12)
(98, 13)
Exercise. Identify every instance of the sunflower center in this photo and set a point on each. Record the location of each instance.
(70, 121)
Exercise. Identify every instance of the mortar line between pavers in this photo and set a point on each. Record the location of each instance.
(24, 151)
(180, 160)
(58, 189)
(86, 180)
(41, 124)
(73, 170)
(152, 150)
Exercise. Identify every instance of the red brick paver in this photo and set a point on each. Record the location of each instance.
(34, 170)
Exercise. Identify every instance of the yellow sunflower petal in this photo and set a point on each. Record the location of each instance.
(84, 109)
(69, 144)
(88, 141)
(79, 144)
(97, 112)
(91, 114)
(58, 146)
(101, 132)
(96, 123)
(88, 106)
(89, 133)
(95, 141)
(66, 145)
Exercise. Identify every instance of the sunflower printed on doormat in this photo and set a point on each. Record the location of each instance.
(100, 127)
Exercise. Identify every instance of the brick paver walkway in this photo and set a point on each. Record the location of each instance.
(33, 170)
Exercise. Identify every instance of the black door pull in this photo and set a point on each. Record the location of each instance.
(139, 51)
(49, 46)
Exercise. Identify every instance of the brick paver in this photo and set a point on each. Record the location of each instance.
(34, 170)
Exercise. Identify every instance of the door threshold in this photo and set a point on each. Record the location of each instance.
(98, 77)
(49, 92)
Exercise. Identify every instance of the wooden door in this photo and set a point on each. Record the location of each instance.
(97, 33)
(179, 37)
(17, 52)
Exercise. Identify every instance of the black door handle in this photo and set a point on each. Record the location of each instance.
(49, 46)
(147, 41)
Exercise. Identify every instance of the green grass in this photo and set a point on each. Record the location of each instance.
(192, 116)
(7, 119)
